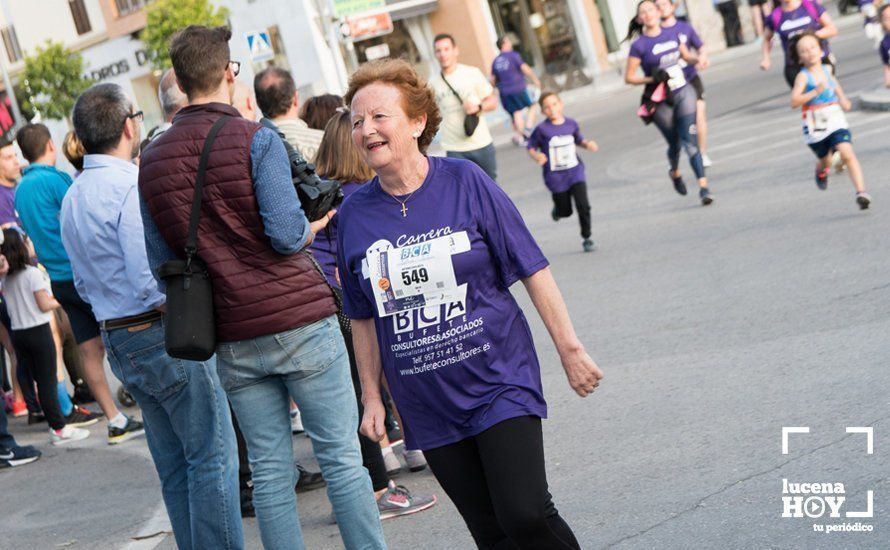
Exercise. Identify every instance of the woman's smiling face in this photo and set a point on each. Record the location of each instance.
(381, 130)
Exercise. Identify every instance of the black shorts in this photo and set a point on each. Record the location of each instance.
(699, 87)
(4, 315)
(83, 322)
(756, 2)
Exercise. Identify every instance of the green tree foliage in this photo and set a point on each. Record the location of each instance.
(165, 17)
(52, 81)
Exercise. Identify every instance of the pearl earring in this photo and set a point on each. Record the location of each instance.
(415, 135)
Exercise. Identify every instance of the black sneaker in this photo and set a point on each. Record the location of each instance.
(35, 418)
(554, 215)
(82, 395)
(308, 480)
(679, 184)
(134, 428)
(81, 417)
(822, 177)
(588, 245)
(706, 196)
(18, 456)
(863, 199)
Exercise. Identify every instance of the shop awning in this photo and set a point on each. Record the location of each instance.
(401, 9)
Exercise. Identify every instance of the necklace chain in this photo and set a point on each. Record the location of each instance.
(403, 202)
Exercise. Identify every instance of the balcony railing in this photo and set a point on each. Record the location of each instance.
(126, 7)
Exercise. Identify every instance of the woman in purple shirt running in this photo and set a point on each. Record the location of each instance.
(508, 73)
(668, 99)
(790, 18)
(427, 252)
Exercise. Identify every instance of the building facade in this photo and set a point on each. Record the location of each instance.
(567, 42)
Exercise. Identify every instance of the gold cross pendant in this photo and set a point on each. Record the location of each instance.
(404, 211)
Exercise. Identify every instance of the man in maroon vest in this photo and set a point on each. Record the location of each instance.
(274, 312)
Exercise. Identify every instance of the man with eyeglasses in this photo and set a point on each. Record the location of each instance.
(275, 315)
(187, 420)
(38, 200)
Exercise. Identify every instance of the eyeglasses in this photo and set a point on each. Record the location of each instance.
(138, 116)
(236, 67)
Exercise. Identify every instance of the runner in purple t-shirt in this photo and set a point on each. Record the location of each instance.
(508, 73)
(427, 253)
(553, 146)
(791, 18)
(10, 172)
(884, 48)
(687, 35)
(668, 100)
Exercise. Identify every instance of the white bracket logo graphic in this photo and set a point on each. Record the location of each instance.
(791, 430)
(869, 449)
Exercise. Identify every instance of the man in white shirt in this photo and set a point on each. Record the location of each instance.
(278, 99)
(463, 90)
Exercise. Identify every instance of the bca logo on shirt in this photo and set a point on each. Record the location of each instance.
(791, 24)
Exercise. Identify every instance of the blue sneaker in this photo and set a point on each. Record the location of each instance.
(18, 456)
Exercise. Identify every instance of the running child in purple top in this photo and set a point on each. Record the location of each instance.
(789, 19)
(870, 23)
(884, 48)
(508, 73)
(553, 146)
(687, 35)
(823, 102)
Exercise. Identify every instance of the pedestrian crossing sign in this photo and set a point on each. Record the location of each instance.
(259, 46)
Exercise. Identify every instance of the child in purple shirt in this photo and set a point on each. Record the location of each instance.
(884, 48)
(552, 146)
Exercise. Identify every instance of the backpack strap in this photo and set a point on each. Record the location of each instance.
(811, 9)
(776, 17)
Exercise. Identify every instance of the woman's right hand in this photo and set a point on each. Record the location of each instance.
(765, 64)
(372, 421)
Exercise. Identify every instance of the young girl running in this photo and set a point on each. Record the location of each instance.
(823, 103)
(30, 303)
(552, 146)
(668, 99)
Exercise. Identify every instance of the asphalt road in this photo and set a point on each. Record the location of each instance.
(715, 326)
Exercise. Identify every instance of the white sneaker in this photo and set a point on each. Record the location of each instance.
(296, 422)
(706, 161)
(415, 460)
(67, 435)
(393, 466)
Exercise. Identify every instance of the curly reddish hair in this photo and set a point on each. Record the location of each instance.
(418, 98)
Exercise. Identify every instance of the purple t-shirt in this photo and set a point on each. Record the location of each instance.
(687, 35)
(885, 49)
(788, 24)
(324, 247)
(457, 368)
(8, 213)
(507, 69)
(657, 52)
(558, 141)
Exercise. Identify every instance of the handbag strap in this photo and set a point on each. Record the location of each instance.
(453, 91)
(191, 243)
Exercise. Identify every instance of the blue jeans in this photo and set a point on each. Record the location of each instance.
(189, 431)
(485, 158)
(310, 365)
(7, 442)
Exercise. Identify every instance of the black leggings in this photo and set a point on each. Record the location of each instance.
(562, 206)
(372, 454)
(35, 351)
(677, 124)
(498, 483)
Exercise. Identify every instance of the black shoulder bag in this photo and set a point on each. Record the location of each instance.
(191, 325)
(471, 122)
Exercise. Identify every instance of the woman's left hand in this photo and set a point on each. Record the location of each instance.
(583, 373)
